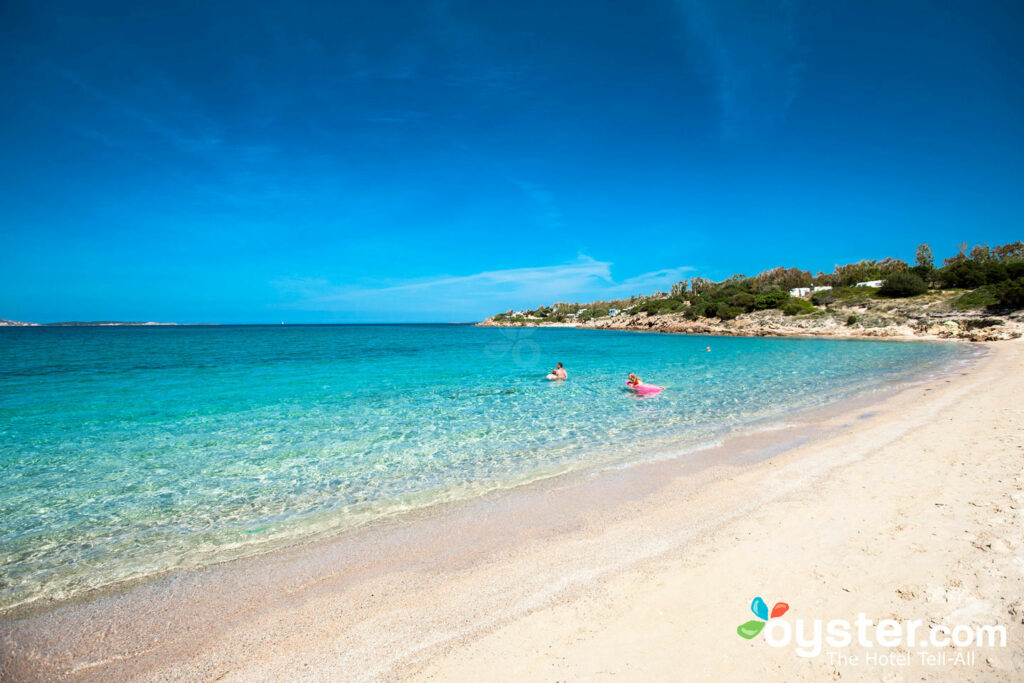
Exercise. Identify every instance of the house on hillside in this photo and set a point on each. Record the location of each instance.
(804, 291)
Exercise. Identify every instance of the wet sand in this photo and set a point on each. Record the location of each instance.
(906, 506)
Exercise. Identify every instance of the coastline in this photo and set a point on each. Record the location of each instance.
(432, 590)
(960, 327)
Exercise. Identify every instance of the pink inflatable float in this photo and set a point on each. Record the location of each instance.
(643, 389)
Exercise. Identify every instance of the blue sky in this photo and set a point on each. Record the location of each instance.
(439, 161)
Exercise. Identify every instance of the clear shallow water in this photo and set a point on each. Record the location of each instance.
(128, 451)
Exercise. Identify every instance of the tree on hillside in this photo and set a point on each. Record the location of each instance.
(699, 285)
(1014, 250)
(783, 278)
(924, 257)
(981, 253)
(960, 256)
(890, 266)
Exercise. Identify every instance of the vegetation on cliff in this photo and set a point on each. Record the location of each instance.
(992, 278)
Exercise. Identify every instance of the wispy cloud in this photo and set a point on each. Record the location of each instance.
(749, 50)
(477, 294)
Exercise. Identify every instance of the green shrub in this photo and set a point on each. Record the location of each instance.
(823, 298)
(797, 307)
(851, 320)
(743, 300)
(1010, 294)
(725, 311)
(1015, 269)
(772, 299)
(650, 307)
(995, 272)
(660, 306)
(964, 274)
(903, 284)
(926, 273)
(853, 295)
(979, 298)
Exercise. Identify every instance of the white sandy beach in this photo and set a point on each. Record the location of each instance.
(916, 514)
(906, 508)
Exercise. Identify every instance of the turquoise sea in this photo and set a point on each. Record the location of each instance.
(129, 451)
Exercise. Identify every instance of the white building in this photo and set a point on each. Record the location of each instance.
(870, 283)
(804, 291)
(613, 311)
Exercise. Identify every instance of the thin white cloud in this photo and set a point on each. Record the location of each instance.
(478, 294)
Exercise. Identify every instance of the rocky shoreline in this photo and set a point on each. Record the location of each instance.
(927, 319)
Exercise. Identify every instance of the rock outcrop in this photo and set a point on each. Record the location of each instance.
(899, 319)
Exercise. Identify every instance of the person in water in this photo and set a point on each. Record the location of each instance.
(637, 385)
(559, 373)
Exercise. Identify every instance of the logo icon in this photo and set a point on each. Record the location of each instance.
(760, 610)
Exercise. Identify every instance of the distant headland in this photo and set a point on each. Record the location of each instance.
(976, 295)
(80, 323)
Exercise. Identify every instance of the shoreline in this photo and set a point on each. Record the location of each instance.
(365, 577)
(719, 448)
(773, 324)
(657, 447)
(594, 453)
